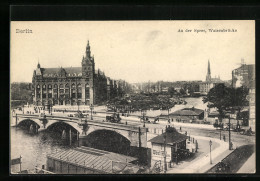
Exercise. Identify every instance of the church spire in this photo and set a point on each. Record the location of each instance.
(38, 65)
(208, 68)
(208, 77)
(88, 52)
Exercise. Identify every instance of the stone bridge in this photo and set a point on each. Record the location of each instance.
(134, 133)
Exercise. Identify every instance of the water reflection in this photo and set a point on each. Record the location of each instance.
(34, 147)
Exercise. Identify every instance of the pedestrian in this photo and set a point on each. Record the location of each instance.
(224, 137)
(186, 133)
(180, 128)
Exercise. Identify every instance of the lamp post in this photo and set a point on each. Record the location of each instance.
(143, 114)
(220, 134)
(210, 143)
(91, 109)
(229, 133)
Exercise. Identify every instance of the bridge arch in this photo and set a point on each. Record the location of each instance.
(71, 124)
(109, 140)
(29, 120)
(94, 129)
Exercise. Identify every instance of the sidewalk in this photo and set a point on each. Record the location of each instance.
(176, 124)
(202, 164)
(249, 166)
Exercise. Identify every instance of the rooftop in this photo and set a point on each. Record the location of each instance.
(102, 161)
(188, 112)
(172, 137)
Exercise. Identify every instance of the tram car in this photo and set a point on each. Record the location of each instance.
(114, 118)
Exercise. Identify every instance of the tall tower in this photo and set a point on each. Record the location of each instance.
(208, 77)
(88, 71)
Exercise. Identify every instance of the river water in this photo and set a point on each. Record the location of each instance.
(35, 147)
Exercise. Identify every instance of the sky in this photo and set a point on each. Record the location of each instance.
(135, 51)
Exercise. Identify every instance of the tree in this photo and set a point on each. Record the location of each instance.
(239, 99)
(226, 99)
(171, 91)
(182, 91)
(219, 97)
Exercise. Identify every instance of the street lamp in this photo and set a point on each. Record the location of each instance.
(143, 114)
(229, 133)
(210, 143)
(91, 109)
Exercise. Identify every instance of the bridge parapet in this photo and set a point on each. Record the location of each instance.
(136, 134)
(89, 122)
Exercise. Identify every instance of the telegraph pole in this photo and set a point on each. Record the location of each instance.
(165, 164)
(210, 143)
(229, 133)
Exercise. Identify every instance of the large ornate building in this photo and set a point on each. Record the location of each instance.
(74, 85)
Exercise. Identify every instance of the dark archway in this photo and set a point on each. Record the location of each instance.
(109, 141)
(29, 125)
(63, 133)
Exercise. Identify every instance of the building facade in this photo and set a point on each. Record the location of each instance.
(74, 85)
(245, 76)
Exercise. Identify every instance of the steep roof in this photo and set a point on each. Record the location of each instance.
(188, 112)
(172, 137)
(53, 72)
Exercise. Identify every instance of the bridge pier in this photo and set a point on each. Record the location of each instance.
(33, 129)
(63, 134)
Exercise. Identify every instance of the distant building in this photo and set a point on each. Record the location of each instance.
(188, 114)
(245, 76)
(210, 82)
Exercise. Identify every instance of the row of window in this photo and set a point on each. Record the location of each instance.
(56, 75)
(73, 86)
(73, 95)
(62, 91)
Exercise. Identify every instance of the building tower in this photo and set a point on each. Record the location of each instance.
(88, 71)
(208, 77)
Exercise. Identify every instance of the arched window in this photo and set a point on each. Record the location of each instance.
(44, 86)
(61, 86)
(73, 91)
(79, 91)
(49, 86)
(38, 86)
